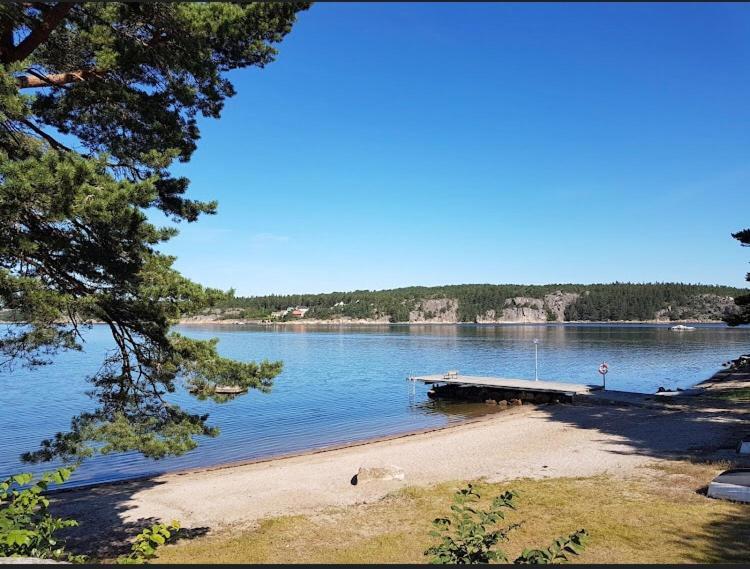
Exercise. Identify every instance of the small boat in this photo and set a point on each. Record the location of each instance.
(681, 328)
(229, 389)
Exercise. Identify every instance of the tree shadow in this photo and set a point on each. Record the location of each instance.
(700, 428)
(688, 427)
(676, 431)
(726, 539)
(102, 531)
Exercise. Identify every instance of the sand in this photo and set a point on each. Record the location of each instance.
(545, 441)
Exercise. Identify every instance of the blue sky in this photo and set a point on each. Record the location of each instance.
(423, 144)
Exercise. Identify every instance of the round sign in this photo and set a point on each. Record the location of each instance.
(604, 368)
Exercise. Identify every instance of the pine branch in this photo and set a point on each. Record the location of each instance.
(52, 141)
(36, 79)
(51, 19)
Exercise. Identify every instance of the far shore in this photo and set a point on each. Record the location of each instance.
(316, 322)
(205, 321)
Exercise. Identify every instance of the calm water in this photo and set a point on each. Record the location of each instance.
(341, 385)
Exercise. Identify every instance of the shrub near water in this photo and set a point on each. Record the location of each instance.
(469, 534)
(26, 527)
(28, 530)
(148, 541)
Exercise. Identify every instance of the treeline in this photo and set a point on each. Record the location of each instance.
(625, 301)
(616, 301)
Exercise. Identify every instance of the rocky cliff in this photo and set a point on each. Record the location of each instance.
(701, 307)
(551, 308)
(435, 310)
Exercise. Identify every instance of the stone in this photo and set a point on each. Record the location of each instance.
(515, 402)
(370, 473)
(502, 403)
(490, 402)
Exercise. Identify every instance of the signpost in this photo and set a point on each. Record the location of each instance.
(603, 369)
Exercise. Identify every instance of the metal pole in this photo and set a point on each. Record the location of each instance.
(536, 359)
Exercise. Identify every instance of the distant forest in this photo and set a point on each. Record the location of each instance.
(616, 301)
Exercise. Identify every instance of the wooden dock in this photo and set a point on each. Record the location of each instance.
(531, 385)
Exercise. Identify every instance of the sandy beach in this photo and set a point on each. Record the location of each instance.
(584, 439)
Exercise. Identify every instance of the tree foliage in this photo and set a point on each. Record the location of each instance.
(615, 301)
(469, 535)
(743, 301)
(96, 101)
(26, 527)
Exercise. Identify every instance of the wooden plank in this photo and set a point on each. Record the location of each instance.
(508, 383)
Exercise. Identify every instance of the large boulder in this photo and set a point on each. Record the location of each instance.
(370, 473)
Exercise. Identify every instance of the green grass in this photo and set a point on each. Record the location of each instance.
(657, 516)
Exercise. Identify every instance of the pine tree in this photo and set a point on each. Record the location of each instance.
(96, 101)
(743, 302)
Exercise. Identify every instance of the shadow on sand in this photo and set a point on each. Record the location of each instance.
(101, 532)
(691, 427)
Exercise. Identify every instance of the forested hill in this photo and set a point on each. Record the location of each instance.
(496, 303)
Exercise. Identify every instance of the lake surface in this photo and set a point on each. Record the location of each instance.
(345, 384)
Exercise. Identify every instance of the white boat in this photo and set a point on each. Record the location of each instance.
(731, 485)
(681, 328)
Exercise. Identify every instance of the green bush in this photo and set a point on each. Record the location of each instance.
(26, 527)
(469, 535)
(28, 530)
(148, 541)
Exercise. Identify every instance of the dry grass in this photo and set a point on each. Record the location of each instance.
(658, 516)
(737, 395)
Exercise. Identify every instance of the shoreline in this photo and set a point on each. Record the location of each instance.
(531, 441)
(720, 376)
(314, 451)
(314, 322)
(191, 321)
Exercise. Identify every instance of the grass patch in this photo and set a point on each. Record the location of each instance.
(738, 395)
(655, 517)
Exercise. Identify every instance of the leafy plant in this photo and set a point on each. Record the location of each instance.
(148, 541)
(26, 527)
(558, 551)
(469, 535)
(465, 536)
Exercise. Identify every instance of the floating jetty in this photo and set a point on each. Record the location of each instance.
(525, 386)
